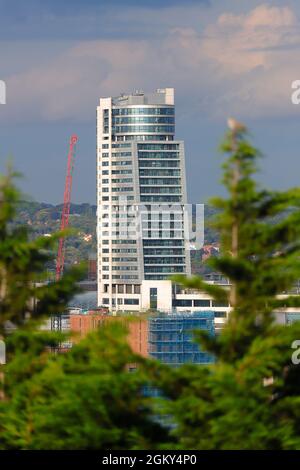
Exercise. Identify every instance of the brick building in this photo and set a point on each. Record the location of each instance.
(138, 329)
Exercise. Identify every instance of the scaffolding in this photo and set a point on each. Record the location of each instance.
(171, 337)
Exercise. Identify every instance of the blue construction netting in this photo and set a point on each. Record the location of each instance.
(171, 337)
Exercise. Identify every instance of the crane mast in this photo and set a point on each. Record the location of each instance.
(66, 207)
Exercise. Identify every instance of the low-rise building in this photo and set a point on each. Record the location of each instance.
(165, 296)
(166, 337)
(171, 338)
(83, 323)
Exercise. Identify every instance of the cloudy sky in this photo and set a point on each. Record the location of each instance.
(224, 58)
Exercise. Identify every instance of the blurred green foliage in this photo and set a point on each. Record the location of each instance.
(89, 399)
(251, 398)
(24, 292)
(84, 399)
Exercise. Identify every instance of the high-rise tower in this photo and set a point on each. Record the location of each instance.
(140, 177)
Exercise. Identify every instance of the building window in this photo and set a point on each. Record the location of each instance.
(151, 111)
(131, 301)
(184, 303)
(136, 289)
(220, 314)
(153, 298)
(201, 303)
(128, 289)
(120, 289)
(219, 304)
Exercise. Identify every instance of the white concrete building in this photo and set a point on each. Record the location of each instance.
(165, 296)
(141, 191)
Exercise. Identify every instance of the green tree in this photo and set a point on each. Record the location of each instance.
(84, 399)
(24, 292)
(250, 399)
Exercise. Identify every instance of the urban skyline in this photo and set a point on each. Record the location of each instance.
(228, 58)
(150, 255)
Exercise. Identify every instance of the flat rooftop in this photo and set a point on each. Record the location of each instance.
(160, 96)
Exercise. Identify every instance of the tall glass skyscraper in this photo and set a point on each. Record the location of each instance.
(141, 191)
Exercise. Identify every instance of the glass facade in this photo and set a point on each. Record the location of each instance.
(143, 119)
(143, 110)
(159, 181)
(159, 155)
(161, 172)
(142, 129)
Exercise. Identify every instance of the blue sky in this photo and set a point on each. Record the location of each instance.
(224, 58)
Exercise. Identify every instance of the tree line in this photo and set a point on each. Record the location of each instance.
(88, 399)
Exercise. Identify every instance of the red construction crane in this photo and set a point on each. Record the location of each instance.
(66, 208)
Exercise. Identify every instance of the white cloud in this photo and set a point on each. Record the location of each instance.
(261, 16)
(256, 54)
(244, 42)
(241, 64)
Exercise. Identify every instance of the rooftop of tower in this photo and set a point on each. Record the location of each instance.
(160, 96)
